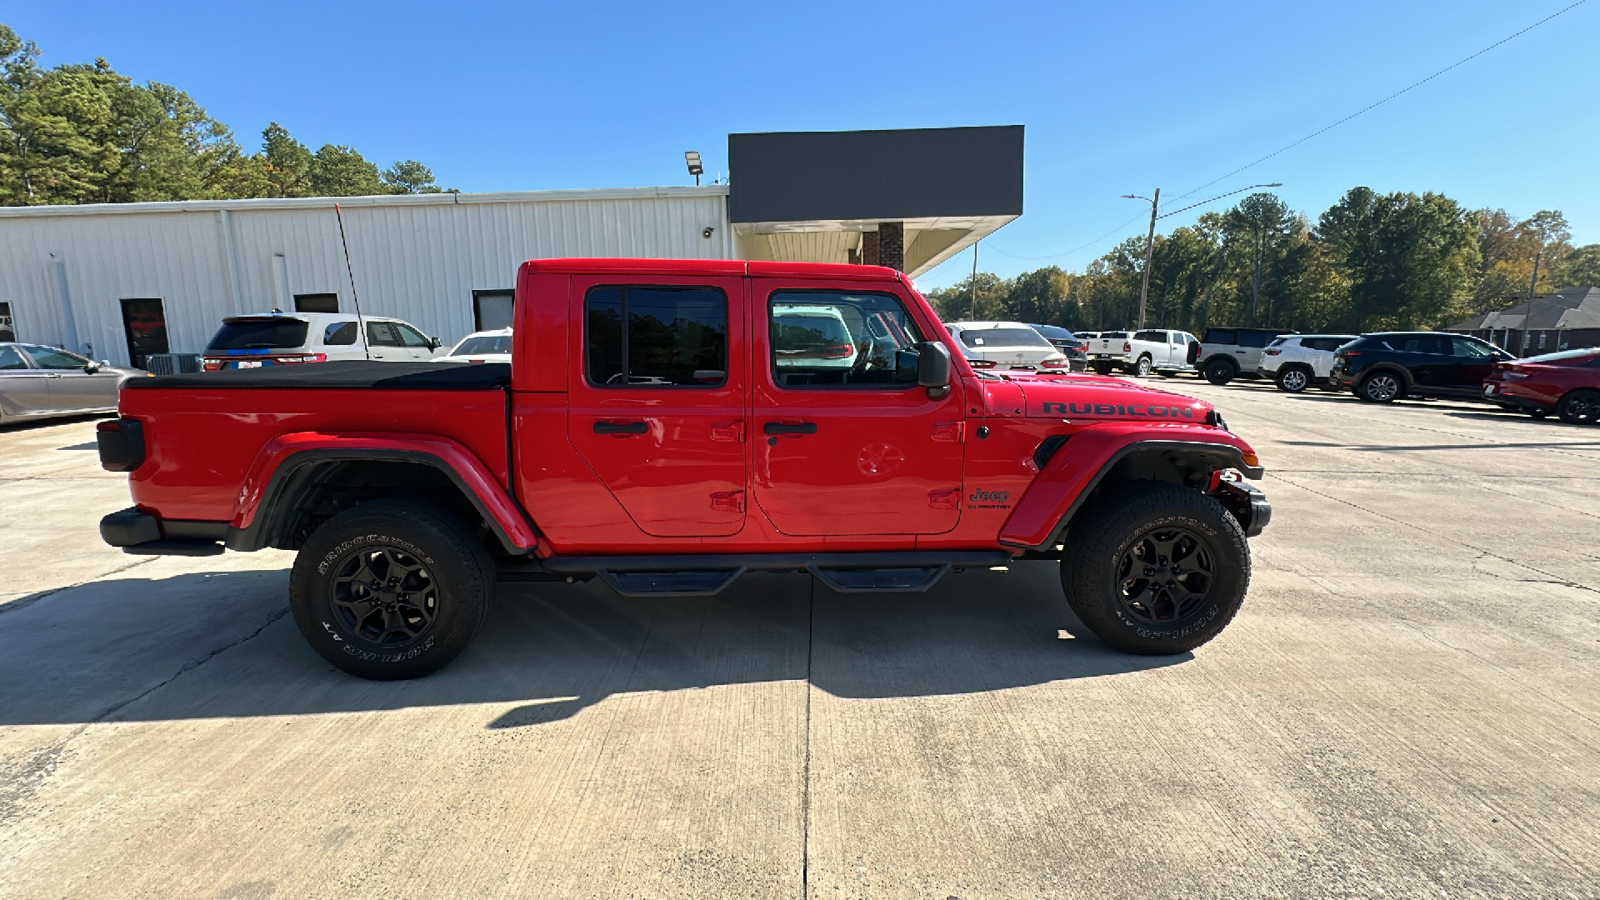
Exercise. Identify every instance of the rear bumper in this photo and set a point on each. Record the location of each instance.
(139, 532)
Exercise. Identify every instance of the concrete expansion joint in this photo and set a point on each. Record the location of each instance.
(190, 666)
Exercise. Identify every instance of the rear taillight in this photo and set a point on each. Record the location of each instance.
(1346, 354)
(1271, 352)
(981, 363)
(305, 358)
(121, 444)
(1054, 362)
(211, 364)
(1126, 346)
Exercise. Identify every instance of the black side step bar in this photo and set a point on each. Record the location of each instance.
(702, 575)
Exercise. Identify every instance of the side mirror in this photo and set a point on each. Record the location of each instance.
(434, 343)
(91, 367)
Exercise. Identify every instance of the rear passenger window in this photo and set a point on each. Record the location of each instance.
(648, 336)
(1221, 336)
(1254, 338)
(339, 333)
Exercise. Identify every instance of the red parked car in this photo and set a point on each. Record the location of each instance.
(1565, 383)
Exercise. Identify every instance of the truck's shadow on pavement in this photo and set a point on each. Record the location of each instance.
(222, 645)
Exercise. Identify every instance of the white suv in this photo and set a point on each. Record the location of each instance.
(1297, 361)
(277, 338)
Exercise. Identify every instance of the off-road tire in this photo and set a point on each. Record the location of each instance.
(1221, 371)
(1142, 367)
(1121, 606)
(1580, 407)
(1293, 379)
(1382, 386)
(437, 585)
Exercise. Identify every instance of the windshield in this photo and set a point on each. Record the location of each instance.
(259, 334)
(1004, 337)
(500, 343)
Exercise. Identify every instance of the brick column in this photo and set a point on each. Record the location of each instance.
(869, 248)
(891, 245)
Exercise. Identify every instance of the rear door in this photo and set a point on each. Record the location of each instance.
(857, 450)
(659, 409)
(24, 390)
(1471, 363)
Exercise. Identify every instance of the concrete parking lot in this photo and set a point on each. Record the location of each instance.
(1409, 704)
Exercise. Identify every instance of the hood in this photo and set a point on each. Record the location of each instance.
(1096, 398)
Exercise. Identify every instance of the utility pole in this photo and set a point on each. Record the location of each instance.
(1255, 291)
(1528, 313)
(1149, 246)
(975, 279)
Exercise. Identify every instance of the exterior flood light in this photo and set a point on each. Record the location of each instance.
(692, 157)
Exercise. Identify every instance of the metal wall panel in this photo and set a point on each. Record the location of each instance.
(417, 258)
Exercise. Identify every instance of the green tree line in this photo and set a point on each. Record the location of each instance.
(82, 133)
(1370, 262)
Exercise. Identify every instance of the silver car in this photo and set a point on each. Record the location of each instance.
(38, 381)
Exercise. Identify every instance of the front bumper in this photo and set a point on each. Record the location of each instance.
(1248, 504)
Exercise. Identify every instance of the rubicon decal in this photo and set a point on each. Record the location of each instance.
(1109, 409)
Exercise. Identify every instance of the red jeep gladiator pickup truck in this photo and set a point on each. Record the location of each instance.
(667, 425)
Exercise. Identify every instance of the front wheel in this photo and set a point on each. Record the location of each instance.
(1155, 569)
(391, 589)
(1579, 407)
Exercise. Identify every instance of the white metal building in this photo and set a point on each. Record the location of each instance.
(120, 281)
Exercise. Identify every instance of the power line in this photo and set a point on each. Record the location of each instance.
(1084, 246)
(1403, 90)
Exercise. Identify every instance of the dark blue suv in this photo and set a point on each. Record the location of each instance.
(1392, 365)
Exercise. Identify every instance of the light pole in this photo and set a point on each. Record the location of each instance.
(1149, 247)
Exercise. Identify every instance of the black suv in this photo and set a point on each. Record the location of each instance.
(1391, 365)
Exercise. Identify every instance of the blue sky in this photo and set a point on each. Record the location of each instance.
(1117, 98)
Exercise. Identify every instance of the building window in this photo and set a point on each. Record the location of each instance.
(647, 336)
(1541, 339)
(491, 310)
(8, 328)
(316, 303)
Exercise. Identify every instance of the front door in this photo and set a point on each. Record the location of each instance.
(659, 410)
(844, 443)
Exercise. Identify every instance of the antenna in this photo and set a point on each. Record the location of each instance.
(361, 326)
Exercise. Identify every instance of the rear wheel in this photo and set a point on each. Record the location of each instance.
(1293, 379)
(1153, 568)
(1142, 367)
(1581, 407)
(391, 589)
(1379, 387)
(1221, 371)
(1101, 368)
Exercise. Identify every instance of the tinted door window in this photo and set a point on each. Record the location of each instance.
(1221, 336)
(383, 334)
(51, 358)
(1470, 349)
(409, 336)
(11, 358)
(339, 333)
(1157, 337)
(825, 339)
(1255, 338)
(641, 336)
(1422, 343)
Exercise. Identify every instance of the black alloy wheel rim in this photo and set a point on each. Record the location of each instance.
(1165, 576)
(1584, 409)
(1382, 387)
(384, 595)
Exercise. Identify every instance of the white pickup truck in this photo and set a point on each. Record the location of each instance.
(1163, 351)
(1108, 351)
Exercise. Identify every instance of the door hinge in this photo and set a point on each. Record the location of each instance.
(950, 431)
(733, 432)
(950, 499)
(728, 501)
